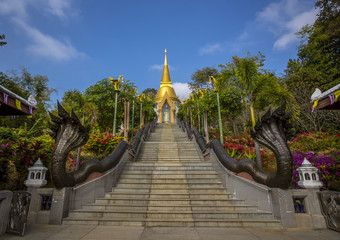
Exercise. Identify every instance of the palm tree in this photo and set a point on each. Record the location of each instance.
(261, 88)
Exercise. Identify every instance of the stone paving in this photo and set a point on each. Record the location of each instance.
(92, 232)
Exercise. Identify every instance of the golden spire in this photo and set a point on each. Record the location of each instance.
(166, 85)
(165, 59)
(166, 75)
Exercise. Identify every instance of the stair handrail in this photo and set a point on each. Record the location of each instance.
(136, 140)
(273, 131)
(182, 126)
(189, 132)
(146, 131)
(140, 138)
(199, 139)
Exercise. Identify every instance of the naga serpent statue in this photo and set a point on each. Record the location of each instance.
(272, 131)
(70, 134)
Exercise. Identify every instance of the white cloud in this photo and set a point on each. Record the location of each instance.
(181, 89)
(48, 47)
(60, 8)
(18, 8)
(15, 8)
(210, 49)
(285, 18)
(159, 67)
(41, 44)
(294, 26)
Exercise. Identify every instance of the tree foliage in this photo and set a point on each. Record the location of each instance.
(319, 50)
(317, 66)
(25, 84)
(96, 104)
(150, 93)
(200, 78)
(241, 83)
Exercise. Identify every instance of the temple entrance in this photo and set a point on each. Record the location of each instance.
(166, 112)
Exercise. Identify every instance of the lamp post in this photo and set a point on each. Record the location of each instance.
(188, 116)
(218, 108)
(133, 114)
(200, 92)
(117, 90)
(141, 108)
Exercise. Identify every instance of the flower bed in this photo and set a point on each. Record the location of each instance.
(18, 152)
(98, 147)
(319, 148)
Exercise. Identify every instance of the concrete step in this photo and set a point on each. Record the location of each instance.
(197, 215)
(184, 189)
(250, 223)
(135, 222)
(149, 180)
(167, 168)
(169, 172)
(202, 208)
(174, 195)
(170, 185)
(172, 164)
(166, 202)
(170, 176)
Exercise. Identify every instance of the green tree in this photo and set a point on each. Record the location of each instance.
(260, 87)
(150, 93)
(86, 111)
(25, 84)
(319, 49)
(102, 95)
(200, 78)
(317, 66)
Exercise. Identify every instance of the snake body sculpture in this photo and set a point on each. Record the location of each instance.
(70, 134)
(272, 131)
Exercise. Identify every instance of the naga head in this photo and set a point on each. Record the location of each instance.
(274, 124)
(70, 124)
(68, 134)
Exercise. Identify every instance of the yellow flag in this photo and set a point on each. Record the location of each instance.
(30, 116)
(337, 94)
(18, 104)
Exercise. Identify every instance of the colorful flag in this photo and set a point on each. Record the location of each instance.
(13, 116)
(18, 104)
(314, 104)
(331, 98)
(5, 98)
(31, 110)
(337, 94)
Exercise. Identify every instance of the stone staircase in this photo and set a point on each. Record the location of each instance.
(170, 185)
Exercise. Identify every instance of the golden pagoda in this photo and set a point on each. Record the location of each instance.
(166, 98)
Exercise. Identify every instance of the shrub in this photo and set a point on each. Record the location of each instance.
(321, 149)
(18, 152)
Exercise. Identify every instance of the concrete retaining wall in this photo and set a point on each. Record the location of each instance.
(5, 208)
(275, 200)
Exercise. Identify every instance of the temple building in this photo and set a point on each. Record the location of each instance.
(166, 99)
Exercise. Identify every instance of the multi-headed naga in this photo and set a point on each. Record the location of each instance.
(70, 134)
(272, 131)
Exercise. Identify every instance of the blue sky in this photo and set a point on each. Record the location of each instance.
(76, 43)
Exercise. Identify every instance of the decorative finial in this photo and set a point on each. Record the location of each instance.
(165, 59)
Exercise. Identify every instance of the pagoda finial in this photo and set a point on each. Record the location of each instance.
(165, 59)
(166, 86)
